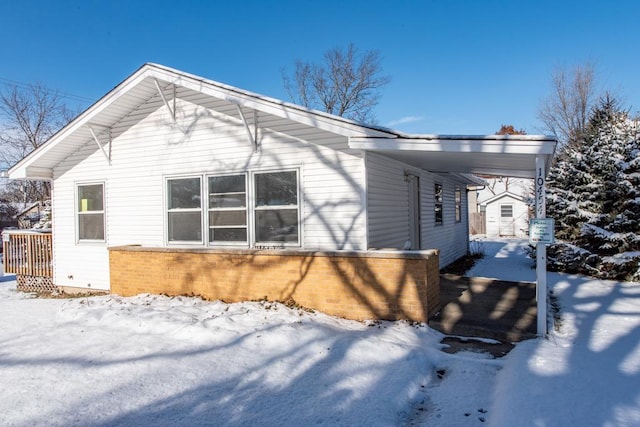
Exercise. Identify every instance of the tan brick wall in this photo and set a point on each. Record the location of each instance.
(362, 285)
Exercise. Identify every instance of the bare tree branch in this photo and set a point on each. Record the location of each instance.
(29, 116)
(346, 83)
(565, 112)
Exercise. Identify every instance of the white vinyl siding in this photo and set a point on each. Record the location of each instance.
(450, 237)
(388, 205)
(148, 146)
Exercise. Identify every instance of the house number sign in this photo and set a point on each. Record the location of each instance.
(540, 189)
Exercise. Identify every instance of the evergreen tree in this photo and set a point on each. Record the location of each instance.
(594, 195)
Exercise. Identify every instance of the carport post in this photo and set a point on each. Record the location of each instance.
(541, 248)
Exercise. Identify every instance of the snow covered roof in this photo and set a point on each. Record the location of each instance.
(512, 155)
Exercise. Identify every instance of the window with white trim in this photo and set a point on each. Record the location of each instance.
(227, 208)
(276, 207)
(506, 211)
(260, 208)
(438, 202)
(90, 210)
(458, 201)
(184, 210)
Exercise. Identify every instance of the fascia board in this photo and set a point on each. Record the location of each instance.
(463, 144)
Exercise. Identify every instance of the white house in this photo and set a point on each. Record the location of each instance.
(177, 163)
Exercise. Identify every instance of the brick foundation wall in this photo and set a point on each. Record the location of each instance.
(355, 285)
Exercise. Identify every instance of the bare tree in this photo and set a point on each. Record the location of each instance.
(29, 115)
(565, 112)
(346, 83)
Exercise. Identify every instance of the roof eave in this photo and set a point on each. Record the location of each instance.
(25, 168)
(318, 119)
(422, 149)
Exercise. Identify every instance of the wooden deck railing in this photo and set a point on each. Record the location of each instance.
(28, 253)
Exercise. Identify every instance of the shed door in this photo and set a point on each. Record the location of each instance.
(414, 211)
(507, 224)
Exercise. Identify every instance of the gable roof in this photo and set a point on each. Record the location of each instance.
(502, 195)
(511, 155)
(150, 81)
(26, 209)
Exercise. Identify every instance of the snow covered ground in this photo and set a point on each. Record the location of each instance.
(159, 361)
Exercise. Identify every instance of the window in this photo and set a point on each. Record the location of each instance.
(276, 207)
(228, 209)
(90, 212)
(438, 195)
(506, 211)
(458, 199)
(184, 207)
(242, 209)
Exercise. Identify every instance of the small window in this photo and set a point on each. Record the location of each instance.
(184, 207)
(438, 194)
(227, 209)
(91, 212)
(506, 211)
(276, 207)
(458, 199)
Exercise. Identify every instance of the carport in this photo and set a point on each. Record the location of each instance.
(521, 156)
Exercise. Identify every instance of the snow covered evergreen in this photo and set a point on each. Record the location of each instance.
(594, 196)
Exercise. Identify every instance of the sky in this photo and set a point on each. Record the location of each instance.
(456, 67)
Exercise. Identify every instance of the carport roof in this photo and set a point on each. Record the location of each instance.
(502, 155)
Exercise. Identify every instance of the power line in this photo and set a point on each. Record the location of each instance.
(9, 82)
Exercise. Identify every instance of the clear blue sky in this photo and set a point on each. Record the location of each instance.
(457, 67)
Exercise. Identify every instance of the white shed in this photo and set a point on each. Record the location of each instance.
(506, 214)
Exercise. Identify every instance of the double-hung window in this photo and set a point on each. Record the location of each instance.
(438, 202)
(458, 200)
(90, 208)
(184, 206)
(276, 207)
(227, 209)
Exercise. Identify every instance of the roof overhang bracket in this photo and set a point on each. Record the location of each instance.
(253, 137)
(101, 145)
(171, 109)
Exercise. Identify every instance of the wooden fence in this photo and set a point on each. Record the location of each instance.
(29, 255)
(477, 223)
